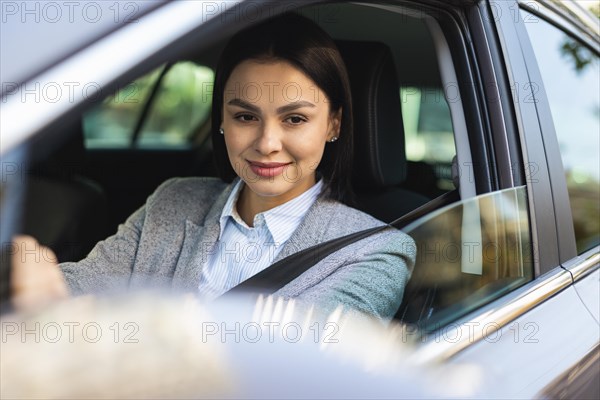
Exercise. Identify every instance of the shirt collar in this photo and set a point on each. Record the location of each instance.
(282, 220)
(229, 207)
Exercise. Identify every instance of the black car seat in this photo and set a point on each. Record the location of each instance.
(63, 209)
(380, 165)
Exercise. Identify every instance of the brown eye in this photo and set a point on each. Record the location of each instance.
(245, 117)
(296, 120)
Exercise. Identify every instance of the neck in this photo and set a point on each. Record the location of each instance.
(249, 203)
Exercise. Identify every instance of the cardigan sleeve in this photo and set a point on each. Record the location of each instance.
(368, 276)
(110, 263)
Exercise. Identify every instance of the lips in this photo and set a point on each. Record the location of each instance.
(267, 170)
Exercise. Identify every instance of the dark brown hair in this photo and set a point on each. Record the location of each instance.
(302, 43)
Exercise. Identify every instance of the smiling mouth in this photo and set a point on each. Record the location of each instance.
(267, 170)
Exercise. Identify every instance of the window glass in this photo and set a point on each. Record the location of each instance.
(112, 122)
(181, 105)
(428, 131)
(570, 72)
(183, 102)
(468, 254)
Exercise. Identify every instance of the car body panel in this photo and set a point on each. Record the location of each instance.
(543, 343)
(588, 288)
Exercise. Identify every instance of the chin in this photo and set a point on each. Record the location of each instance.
(268, 187)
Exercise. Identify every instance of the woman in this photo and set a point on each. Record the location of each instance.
(282, 138)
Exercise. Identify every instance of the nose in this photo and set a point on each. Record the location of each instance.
(268, 140)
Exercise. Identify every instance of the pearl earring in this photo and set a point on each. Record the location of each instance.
(333, 139)
(221, 131)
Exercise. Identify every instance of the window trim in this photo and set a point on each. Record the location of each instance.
(552, 243)
(466, 187)
(557, 175)
(475, 326)
(498, 105)
(562, 205)
(483, 155)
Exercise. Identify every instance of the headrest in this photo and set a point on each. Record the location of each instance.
(379, 154)
(64, 157)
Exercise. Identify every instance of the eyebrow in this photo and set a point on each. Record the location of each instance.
(244, 104)
(283, 109)
(294, 106)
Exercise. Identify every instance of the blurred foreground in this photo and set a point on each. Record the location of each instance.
(153, 346)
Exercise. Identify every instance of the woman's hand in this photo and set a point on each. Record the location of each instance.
(36, 278)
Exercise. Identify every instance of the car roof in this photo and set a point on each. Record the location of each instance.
(65, 30)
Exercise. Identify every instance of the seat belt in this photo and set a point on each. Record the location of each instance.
(279, 274)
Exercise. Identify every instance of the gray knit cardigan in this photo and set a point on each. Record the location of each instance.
(166, 242)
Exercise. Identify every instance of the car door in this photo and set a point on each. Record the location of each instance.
(465, 301)
(523, 342)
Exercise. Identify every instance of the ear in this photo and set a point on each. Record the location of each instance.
(335, 124)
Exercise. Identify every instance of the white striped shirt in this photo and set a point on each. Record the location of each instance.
(242, 251)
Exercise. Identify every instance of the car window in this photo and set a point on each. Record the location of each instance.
(570, 73)
(468, 254)
(424, 97)
(166, 119)
(112, 122)
(473, 251)
(478, 249)
(428, 131)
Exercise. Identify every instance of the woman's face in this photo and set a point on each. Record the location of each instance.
(277, 123)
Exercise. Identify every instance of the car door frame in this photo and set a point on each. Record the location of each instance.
(517, 121)
(585, 263)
